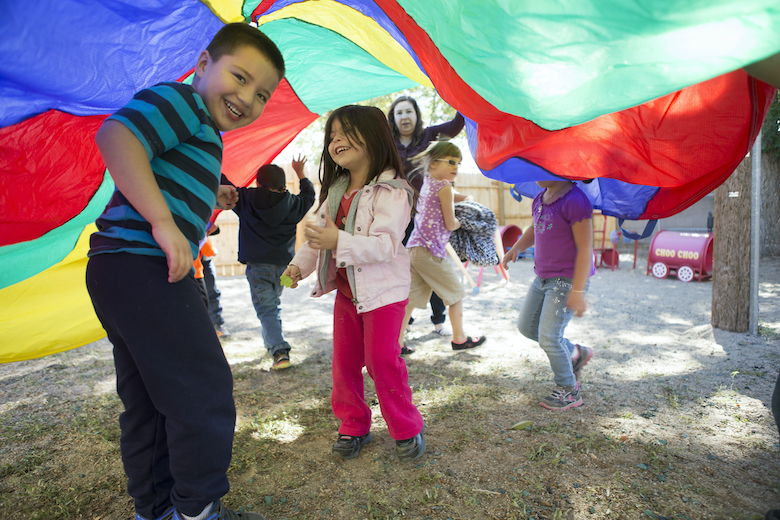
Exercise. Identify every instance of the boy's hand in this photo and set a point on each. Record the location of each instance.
(298, 164)
(293, 274)
(227, 197)
(176, 248)
(576, 302)
(326, 237)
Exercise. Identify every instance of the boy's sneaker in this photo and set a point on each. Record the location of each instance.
(220, 512)
(168, 515)
(442, 331)
(410, 449)
(222, 332)
(563, 398)
(348, 447)
(281, 360)
(585, 354)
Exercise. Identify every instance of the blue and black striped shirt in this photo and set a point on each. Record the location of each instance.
(185, 151)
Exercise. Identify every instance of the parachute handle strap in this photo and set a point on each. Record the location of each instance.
(636, 236)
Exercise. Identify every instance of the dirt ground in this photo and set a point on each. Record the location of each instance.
(676, 424)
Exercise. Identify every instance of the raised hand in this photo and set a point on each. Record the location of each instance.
(298, 164)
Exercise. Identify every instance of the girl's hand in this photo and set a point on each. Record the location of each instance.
(227, 197)
(510, 256)
(294, 274)
(176, 248)
(326, 237)
(575, 301)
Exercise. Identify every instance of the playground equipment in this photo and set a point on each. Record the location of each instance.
(509, 235)
(504, 237)
(607, 255)
(689, 254)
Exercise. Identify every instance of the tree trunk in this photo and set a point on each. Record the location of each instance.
(731, 252)
(770, 205)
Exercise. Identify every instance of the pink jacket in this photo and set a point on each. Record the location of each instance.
(370, 247)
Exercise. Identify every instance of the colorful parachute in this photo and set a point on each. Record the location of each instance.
(647, 97)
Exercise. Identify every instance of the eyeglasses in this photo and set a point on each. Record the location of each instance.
(451, 162)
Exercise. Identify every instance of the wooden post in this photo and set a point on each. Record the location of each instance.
(731, 252)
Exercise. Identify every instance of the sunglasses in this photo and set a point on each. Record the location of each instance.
(451, 162)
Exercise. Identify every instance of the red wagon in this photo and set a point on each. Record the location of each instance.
(688, 254)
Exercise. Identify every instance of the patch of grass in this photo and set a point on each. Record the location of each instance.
(595, 442)
(672, 399)
(31, 459)
(548, 454)
(767, 332)
(99, 418)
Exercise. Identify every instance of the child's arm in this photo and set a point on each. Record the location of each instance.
(459, 197)
(447, 199)
(126, 160)
(383, 238)
(583, 238)
(525, 241)
(298, 164)
(227, 197)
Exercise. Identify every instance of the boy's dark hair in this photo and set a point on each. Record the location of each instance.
(272, 177)
(371, 125)
(418, 127)
(235, 35)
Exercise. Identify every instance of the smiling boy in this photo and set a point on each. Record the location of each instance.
(164, 152)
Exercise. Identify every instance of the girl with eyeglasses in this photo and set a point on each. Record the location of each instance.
(412, 138)
(434, 222)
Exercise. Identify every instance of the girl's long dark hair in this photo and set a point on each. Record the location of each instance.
(367, 127)
(418, 127)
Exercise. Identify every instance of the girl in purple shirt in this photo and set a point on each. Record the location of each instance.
(563, 261)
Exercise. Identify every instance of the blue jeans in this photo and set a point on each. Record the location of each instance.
(543, 318)
(266, 292)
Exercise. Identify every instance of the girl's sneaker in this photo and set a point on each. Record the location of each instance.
(441, 331)
(348, 447)
(410, 449)
(585, 354)
(563, 398)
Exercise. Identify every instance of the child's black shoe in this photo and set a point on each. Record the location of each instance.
(410, 449)
(348, 447)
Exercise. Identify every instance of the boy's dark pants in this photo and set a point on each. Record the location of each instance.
(174, 380)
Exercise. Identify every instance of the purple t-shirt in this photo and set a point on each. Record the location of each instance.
(429, 229)
(554, 247)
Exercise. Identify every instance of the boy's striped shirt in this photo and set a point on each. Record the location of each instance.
(185, 152)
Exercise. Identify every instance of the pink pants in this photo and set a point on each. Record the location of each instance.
(370, 339)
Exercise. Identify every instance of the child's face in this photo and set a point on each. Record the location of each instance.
(552, 184)
(405, 118)
(444, 168)
(344, 151)
(236, 87)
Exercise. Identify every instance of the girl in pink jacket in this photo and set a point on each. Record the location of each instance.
(356, 247)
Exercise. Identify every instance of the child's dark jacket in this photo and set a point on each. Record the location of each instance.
(268, 223)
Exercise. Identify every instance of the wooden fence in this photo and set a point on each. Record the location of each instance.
(493, 194)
